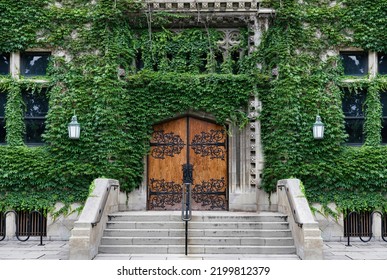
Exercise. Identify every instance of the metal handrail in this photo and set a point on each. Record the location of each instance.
(186, 211)
(29, 225)
(100, 210)
(383, 226)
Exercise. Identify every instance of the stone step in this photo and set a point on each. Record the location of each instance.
(210, 257)
(158, 232)
(201, 216)
(248, 241)
(196, 233)
(196, 225)
(194, 249)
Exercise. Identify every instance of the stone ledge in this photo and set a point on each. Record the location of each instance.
(203, 5)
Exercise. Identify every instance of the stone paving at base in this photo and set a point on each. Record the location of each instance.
(31, 250)
(59, 250)
(373, 250)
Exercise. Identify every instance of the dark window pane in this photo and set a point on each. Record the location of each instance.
(3, 101)
(383, 100)
(34, 64)
(4, 64)
(382, 63)
(2, 130)
(36, 103)
(353, 104)
(354, 129)
(36, 109)
(353, 110)
(384, 131)
(139, 61)
(219, 61)
(34, 130)
(355, 63)
(235, 57)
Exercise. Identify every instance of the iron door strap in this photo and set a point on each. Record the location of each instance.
(211, 144)
(166, 144)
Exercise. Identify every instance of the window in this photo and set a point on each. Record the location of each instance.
(353, 110)
(36, 110)
(4, 64)
(355, 63)
(382, 63)
(3, 101)
(34, 63)
(139, 62)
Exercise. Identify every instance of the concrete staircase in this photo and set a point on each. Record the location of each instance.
(209, 233)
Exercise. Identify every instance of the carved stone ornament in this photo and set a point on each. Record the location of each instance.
(231, 38)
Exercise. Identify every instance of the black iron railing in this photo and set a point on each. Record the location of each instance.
(357, 223)
(186, 211)
(360, 225)
(27, 224)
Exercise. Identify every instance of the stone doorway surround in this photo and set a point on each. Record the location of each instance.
(244, 168)
(245, 153)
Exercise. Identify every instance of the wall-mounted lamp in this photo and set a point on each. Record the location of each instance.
(318, 128)
(74, 128)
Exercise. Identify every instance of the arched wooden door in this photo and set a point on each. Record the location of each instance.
(188, 149)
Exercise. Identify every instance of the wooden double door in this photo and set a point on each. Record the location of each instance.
(188, 150)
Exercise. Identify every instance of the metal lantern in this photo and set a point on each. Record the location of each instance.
(74, 128)
(318, 128)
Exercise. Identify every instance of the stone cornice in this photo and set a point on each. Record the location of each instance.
(199, 13)
(194, 6)
(203, 5)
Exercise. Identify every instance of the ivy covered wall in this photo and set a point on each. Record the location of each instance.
(299, 45)
(92, 73)
(94, 43)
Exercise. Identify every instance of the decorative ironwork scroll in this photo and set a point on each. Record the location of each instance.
(211, 194)
(210, 144)
(164, 193)
(166, 144)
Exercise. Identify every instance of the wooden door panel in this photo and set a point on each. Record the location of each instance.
(168, 153)
(208, 156)
(188, 141)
